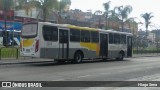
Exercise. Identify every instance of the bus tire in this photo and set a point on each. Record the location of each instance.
(120, 56)
(78, 56)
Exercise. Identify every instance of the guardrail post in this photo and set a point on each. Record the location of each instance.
(0, 54)
(17, 53)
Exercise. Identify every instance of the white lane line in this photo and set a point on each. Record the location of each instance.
(155, 77)
(105, 73)
(59, 79)
(146, 78)
(7, 88)
(84, 76)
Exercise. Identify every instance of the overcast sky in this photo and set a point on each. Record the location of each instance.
(139, 7)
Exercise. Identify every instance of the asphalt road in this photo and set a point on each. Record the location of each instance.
(131, 69)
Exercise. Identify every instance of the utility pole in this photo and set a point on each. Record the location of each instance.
(99, 14)
(5, 23)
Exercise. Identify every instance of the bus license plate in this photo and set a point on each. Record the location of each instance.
(27, 50)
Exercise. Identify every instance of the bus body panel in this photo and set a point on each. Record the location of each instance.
(30, 43)
(66, 50)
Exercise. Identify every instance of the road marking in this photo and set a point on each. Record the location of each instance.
(59, 79)
(8, 88)
(155, 77)
(84, 76)
(146, 78)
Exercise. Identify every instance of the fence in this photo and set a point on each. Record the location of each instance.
(146, 51)
(145, 46)
(9, 53)
(140, 46)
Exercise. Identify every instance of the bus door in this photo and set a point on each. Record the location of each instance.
(104, 45)
(129, 46)
(63, 43)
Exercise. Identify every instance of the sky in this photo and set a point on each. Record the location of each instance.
(139, 7)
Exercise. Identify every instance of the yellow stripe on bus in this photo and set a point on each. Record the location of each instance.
(82, 28)
(28, 42)
(91, 46)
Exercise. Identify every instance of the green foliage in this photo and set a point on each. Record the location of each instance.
(9, 52)
(123, 11)
(63, 4)
(6, 4)
(45, 7)
(147, 17)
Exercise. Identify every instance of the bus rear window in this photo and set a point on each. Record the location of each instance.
(29, 30)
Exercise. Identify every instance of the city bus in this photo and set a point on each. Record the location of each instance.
(75, 43)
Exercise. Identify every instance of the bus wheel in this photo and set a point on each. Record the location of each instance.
(120, 56)
(78, 57)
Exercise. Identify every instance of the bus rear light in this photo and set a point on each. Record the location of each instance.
(37, 46)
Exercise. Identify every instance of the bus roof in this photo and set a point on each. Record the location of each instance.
(69, 26)
(113, 31)
(84, 28)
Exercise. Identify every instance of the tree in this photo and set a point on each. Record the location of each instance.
(107, 11)
(123, 12)
(6, 4)
(113, 17)
(147, 17)
(63, 4)
(99, 14)
(63, 9)
(25, 5)
(45, 7)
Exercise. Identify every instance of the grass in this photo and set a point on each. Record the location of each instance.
(13, 52)
(147, 50)
(9, 52)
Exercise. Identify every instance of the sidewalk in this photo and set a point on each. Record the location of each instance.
(25, 60)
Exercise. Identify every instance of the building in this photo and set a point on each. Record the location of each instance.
(80, 15)
(151, 37)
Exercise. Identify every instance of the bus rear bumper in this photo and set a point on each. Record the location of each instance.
(28, 55)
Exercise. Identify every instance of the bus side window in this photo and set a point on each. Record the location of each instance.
(94, 36)
(74, 35)
(111, 38)
(123, 39)
(50, 33)
(116, 38)
(85, 36)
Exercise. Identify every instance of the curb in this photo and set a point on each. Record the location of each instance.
(29, 62)
(32, 62)
(145, 56)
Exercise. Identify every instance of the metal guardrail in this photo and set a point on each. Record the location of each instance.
(146, 51)
(9, 53)
(14, 52)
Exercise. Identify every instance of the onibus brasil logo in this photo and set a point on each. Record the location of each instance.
(20, 84)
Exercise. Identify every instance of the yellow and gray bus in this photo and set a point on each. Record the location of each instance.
(69, 42)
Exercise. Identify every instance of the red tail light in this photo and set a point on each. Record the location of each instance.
(37, 46)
